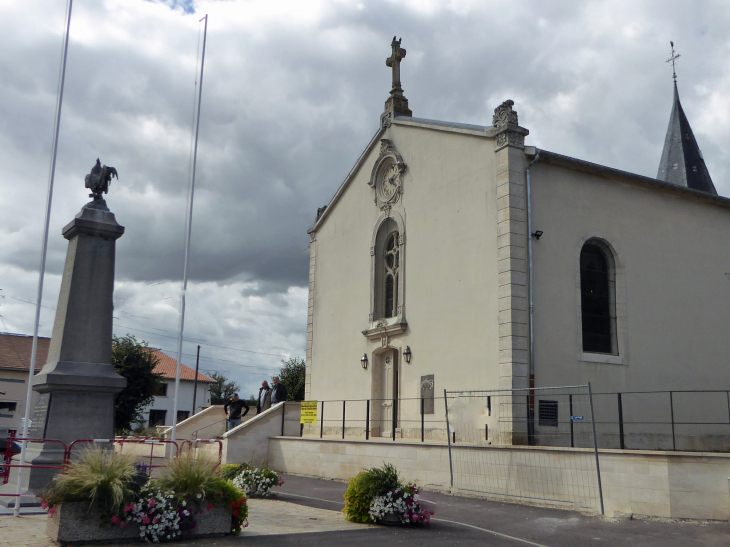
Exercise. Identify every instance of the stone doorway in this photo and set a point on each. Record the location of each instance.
(384, 405)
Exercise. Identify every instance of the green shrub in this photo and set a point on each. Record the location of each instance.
(364, 487)
(104, 478)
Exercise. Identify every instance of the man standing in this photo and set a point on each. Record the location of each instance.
(264, 400)
(232, 409)
(278, 392)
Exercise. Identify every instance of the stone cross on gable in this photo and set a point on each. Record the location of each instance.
(394, 62)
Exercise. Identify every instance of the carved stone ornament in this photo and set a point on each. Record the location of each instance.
(509, 138)
(387, 175)
(386, 120)
(504, 115)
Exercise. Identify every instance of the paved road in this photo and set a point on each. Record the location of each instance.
(468, 521)
(308, 514)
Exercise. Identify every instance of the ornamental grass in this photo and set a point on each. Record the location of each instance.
(107, 479)
(191, 474)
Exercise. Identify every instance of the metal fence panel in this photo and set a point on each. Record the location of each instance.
(505, 443)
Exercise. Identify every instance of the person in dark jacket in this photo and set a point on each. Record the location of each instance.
(264, 400)
(278, 392)
(233, 408)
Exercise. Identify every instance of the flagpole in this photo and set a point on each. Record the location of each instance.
(188, 231)
(44, 251)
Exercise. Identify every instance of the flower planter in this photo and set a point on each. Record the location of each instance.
(73, 523)
(391, 519)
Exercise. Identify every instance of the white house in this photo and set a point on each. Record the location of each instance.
(159, 412)
(15, 351)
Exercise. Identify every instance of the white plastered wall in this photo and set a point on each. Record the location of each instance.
(185, 401)
(450, 252)
(672, 296)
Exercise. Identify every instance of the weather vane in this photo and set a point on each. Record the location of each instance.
(672, 60)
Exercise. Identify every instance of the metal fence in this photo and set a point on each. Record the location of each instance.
(683, 420)
(499, 444)
(415, 419)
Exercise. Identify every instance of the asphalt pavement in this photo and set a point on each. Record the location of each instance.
(470, 521)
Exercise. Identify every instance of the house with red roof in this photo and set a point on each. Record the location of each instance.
(159, 412)
(15, 352)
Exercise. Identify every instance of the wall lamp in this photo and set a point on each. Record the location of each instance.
(537, 235)
(407, 354)
(364, 360)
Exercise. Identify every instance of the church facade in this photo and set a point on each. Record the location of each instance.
(458, 257)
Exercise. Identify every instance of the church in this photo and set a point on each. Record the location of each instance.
(459, 257)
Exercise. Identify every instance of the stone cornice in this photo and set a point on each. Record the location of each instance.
(377, 331)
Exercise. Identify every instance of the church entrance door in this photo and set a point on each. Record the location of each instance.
(387, 392)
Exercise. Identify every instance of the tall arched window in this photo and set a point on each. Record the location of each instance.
(387, 299)
(598, 298)
(391, 263)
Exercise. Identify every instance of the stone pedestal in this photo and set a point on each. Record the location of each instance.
(78, 382)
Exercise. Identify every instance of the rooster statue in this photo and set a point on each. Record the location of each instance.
(99, 179)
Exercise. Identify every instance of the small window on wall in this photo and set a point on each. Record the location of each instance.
(8, 406)
(157, 417)
(160, 390)
(598, 298)
(182, 415)
(548, 413)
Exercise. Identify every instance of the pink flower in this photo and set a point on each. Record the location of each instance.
(128, 508)
(115, 519)
(44, 505)
(146, 520)
(156, 519)
(123, 524)
(210, 506)
(51, 511)
(151, 503)
(151, 511)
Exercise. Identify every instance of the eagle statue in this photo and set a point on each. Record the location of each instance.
(99, 179)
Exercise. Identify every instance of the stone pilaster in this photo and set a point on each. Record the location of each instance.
(512, 271)
(310, 315)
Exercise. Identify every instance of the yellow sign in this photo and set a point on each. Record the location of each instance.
(309, 412)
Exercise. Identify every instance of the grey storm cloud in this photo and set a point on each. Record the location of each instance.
(291, 96)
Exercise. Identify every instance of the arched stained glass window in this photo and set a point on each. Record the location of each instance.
(391, 263)
(598, 298)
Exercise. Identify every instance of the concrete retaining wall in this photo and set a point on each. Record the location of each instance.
(206, 424)
(663, 484)
(249, 442)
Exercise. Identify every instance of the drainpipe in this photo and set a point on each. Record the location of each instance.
(531, 417)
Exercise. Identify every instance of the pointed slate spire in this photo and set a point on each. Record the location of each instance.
(682, 162)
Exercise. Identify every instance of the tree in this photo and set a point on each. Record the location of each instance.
(222, 389)
(136, 362)
(292, 375)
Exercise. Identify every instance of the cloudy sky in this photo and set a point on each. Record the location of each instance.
(292, 94)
